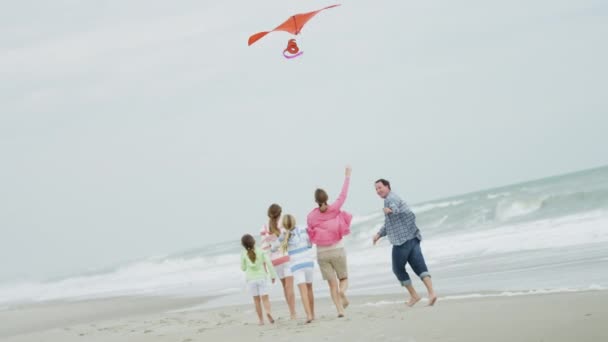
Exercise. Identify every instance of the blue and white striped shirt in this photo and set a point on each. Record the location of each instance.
(400, 225)
(299, 249)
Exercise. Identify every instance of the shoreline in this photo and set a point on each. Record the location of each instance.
(563, 316)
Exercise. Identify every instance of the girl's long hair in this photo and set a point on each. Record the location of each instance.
(248, 243)
(274, 213)
(289, 223)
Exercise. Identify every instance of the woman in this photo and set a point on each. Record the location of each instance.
(327, 225)
(280, 260)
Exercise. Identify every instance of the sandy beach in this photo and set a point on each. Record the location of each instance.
(577, 316)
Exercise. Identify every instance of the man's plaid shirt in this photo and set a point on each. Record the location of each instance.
(400, 225)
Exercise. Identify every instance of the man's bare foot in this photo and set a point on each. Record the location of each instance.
(413, 301)
(270, 319)
(432, 300)
(345, 301)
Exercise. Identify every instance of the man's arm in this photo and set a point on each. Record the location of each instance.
(381, 233)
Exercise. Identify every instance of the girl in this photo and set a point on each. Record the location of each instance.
(295, 242)
(327, 225)
(257, 267)
(280, 260)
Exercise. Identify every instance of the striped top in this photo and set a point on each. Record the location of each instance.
(299, 249)
(272, 247)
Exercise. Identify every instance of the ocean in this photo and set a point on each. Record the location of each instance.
(547, 235)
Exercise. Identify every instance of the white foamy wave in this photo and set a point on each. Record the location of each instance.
(220, 274)
(507, 209)
(365, 235)
(500, 194)
(367, 218)
(430, 206)
(198, 276)
(551, 233)
(438, 223)
(535, 235)
(593, 287)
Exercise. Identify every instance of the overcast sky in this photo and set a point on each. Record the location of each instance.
(139, 128)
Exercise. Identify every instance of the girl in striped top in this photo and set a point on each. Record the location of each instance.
(295, 242)
(280, 259)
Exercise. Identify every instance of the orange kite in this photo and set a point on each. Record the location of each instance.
(292, 25)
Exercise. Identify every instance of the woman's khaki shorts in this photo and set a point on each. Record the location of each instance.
(333, 264)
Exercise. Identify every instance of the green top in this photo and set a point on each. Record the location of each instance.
(256, 270)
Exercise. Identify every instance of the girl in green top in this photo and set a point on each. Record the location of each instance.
(257, 268)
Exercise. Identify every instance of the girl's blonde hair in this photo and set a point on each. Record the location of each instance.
(289, 223)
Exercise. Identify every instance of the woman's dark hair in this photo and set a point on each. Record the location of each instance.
(321, 199)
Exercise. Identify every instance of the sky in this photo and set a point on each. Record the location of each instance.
(139, 128)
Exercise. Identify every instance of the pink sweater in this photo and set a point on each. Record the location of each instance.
(328, 228)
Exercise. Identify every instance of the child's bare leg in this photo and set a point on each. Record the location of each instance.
(290, 296)
(305, 301)
(311, 299)
(266, 302)
(258, 309)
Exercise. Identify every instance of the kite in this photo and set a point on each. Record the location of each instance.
(293, 25)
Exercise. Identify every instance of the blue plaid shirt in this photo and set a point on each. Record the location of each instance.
(400, 225)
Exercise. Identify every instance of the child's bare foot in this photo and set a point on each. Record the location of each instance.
(261, 323)
(270, 319)
(293, 317)
(309, 320)
(413, 301)
(345, 301)
(432, 300)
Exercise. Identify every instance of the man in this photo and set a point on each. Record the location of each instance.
(404, 235)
